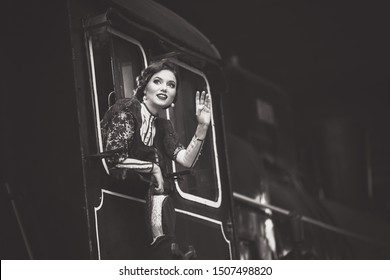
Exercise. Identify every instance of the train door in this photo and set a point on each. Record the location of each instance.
(115, 59)
(203, 218)
(201, 204)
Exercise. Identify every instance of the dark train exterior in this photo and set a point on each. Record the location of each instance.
(67, 61)
(80, 56)
(276, 218)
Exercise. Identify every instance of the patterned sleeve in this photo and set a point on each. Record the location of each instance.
(119, 133)
(172, 144)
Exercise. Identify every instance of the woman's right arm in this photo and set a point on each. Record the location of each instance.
(119, 133)
(145, 167)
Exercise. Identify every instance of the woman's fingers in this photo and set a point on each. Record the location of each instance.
(158, 180)
(207, 100)
(159, 189)
(160, 186)
(201, 99)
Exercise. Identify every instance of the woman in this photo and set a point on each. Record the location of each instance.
(143, 142)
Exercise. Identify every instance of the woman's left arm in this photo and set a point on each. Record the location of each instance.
(188, 157)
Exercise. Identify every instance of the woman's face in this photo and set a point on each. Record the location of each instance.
(160, 91)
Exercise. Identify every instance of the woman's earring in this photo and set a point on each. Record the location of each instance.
(173, 105)
(144, 98)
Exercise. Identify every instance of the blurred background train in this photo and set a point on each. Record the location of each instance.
(67, 61)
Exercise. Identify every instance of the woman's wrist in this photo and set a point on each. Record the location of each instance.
(155, 168)
(201, 131)
(203, 125)
(152, 168)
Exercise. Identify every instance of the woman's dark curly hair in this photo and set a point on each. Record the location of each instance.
(148, 72)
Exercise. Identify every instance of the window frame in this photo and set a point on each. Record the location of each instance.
(201, 200)
(211, 203)
(94, 93)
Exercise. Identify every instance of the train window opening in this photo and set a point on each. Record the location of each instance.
(115, 60)
(203, 184)
(99, 47)
(128, 59)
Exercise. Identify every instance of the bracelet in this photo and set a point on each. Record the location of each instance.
(197, 138)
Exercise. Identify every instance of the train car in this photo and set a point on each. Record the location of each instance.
(81, 56)
(276, 217)
(68, 62)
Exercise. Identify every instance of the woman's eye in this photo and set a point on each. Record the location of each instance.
(157, 81)
(171, 85)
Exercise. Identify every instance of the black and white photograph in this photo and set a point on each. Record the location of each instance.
(195, 130)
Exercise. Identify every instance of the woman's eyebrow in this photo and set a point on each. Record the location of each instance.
(158, 77)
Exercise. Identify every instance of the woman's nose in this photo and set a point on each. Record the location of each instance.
(164, 87)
